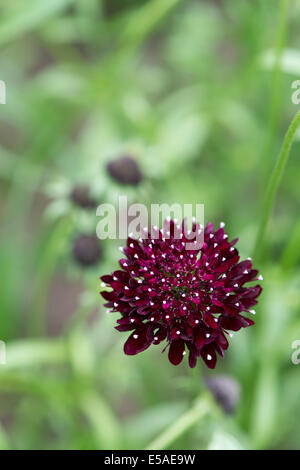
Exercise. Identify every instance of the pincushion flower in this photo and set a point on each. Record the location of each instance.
(189, 299)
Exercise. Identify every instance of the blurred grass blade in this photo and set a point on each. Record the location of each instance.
(266, 406)
(145, 18)
(29, 16)
(102, 420)
(274, 106)
(4, 445)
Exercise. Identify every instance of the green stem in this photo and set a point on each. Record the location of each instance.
(201, 407)
(273, 113)
(291, 254)
(273, 184)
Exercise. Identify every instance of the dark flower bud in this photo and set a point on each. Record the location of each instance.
(80, 196)
(226, 391)
(87, 250)
(125, 170)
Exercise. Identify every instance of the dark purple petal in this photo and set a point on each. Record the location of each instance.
(176, 351)
(137, 342)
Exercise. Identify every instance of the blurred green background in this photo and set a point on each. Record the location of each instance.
(199, 94)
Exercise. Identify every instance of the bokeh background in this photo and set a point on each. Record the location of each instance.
(198, 94)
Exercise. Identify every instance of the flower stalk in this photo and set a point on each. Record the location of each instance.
(202, 406)
(273, 185)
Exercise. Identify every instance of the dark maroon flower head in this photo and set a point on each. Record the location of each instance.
(189, 298)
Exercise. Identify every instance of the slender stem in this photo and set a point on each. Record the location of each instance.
(273, 184)
(273, 113)
(201, 407)
(291, 254)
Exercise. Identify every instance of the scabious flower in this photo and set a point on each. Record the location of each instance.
(191, 299)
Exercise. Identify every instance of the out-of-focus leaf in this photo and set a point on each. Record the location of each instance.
(147, 424)
(224, 441)
(290, 61)
(29, 353)
(102, 420)
(28, 16)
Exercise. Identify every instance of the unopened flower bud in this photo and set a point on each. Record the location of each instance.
(87, 250)
(125, 170)
(226, 391)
